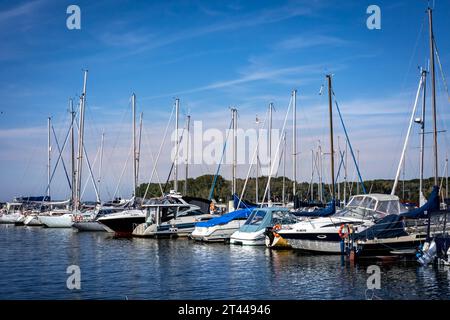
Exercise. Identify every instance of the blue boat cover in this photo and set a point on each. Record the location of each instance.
(325, 212)
(431, 205)
(238, 214)
(243, 204)
(391, 226)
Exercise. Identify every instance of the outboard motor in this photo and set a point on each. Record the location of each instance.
(429, 253)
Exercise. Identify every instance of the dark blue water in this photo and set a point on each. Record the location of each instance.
(33, 263)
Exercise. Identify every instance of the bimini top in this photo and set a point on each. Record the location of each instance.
(234, 215)
(261, 218)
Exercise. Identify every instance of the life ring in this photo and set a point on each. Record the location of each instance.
(343, 235)
(276, 227)
(212, 207)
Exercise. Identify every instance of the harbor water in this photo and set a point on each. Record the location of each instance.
(34, 262)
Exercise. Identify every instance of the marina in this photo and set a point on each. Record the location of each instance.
(269, 191)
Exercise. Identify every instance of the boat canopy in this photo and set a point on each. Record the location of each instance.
(431, 205)
(375, 205)
(324, 212)
(234, 215)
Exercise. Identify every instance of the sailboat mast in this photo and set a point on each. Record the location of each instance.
(188, 124)
(330, 109)
(138, 156)
(72, 138)
(270, 149)
(257, 161)
(177, 110)
(422, 138)
(294, 143)
(284, 171)
(49, 155)
(133, 107)
(312, 175)
(81, 143)
(234, 119)
(433, 96)
(100, 167)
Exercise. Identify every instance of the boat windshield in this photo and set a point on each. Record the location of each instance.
(256, 217)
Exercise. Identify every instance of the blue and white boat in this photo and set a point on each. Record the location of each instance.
(252, 233)
(220, 228)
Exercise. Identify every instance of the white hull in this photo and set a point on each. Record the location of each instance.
(10, 218)
(316, 246)
(257, 238)
(216, 233)
(32, 220)
(63, 221)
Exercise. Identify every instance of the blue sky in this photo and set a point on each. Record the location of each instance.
(212, 55)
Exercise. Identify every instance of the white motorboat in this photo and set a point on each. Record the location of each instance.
(252, 233)
(12, 213)
(323, 234)
(220, 228)
(172, 216)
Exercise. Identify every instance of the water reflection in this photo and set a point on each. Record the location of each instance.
(35, 262)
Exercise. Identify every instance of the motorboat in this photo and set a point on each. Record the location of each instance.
(252, 233)
(324, 234)
(89, 220)
(12, 213)
(172, 216)
(220, 228)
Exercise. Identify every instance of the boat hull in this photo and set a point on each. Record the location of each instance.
(257, 238)
(9, 218)
(89, 226)
(63, 221)
(122, 226)
(32, 221)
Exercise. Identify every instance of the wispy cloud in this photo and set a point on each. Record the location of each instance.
(312, 40)
(24, 9)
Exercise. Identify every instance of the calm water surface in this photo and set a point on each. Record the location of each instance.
(33, 263)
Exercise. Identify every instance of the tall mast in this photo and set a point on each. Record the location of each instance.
(357, 161)
(177, 110)
(270, 149)
(312, 175)
(81, 141)
(72, 138)
(345, 173)
(284, 171)
(319, 160)
(188, 123)
(133, 107)
(257, 161)
(49, 153)
(422, 139)
(446, 177)
(330, 109)
(234, 119)
(433, 96)
(294, 143)
(337, 180)
(138, 157)
(100, 167)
